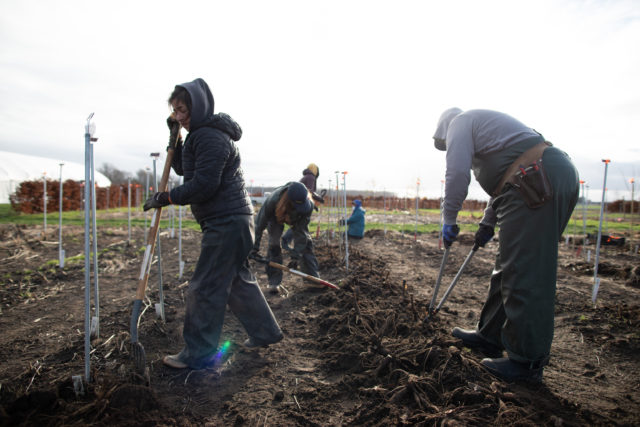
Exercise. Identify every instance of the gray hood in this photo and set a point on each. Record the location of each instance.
(443, 126)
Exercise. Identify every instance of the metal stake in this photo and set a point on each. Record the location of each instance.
(415, 232)
(87, 251)
(44, 199)
(146, 196)
(95, 321)
(160, 305)
(60, 250)
(180, 262)
(632, 181)
(384, 209)
(595, 268)
(346, 237)
(441, 214)
(129, 209)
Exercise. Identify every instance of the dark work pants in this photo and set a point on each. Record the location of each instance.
(287, 237)
(222, 276)
(308, 261)
(519, 311)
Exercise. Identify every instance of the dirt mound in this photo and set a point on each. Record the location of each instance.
(363, 355)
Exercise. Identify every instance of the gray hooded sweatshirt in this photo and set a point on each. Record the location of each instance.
(469, 136)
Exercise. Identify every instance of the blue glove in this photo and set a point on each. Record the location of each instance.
(484, 234)
(449, 234)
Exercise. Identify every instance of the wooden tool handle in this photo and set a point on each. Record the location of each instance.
(155, 224)
(301, 274)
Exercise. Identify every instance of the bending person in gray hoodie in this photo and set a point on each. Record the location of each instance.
(518, 315)
(214, 186)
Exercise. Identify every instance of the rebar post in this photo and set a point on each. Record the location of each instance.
(87, 250)
(596, 284)
(60, 250)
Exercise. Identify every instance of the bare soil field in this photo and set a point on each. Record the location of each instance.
(361, 355)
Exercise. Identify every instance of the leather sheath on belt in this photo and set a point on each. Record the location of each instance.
(531, 155)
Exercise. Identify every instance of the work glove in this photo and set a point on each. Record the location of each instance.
(449, 234)
(341, 221)
(174, 132)
(254, 254)
(317, 197)
(484, 234)
(293, 264)
(158, 200)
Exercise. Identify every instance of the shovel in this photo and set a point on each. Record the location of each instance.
(293, 271)
(455, 280)
(137, 350)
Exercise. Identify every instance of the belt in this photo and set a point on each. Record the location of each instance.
(531, 155)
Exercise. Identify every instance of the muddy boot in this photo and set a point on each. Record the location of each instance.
(274, 289)
(254, 343)
(510, 370)
(173, 361)
(473, 339)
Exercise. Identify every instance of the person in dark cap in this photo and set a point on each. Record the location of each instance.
(214, 186)
(289, 204)
(534, 188)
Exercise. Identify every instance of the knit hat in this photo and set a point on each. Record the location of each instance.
(298, 194)
(314, 169)
(357, 203)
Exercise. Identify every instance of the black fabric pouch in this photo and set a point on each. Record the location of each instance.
(533, 184)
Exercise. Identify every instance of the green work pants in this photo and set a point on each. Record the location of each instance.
(519, 310)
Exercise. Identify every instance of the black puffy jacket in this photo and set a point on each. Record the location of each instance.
(209, 160)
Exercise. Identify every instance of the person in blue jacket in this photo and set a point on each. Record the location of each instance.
(214, 186)
(355, 223)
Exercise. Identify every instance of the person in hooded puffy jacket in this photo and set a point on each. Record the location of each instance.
(214, 186)
(309, 178)
(518, 315)
(355, 222)
(289, 204)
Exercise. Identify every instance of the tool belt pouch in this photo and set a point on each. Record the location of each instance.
(533, 184)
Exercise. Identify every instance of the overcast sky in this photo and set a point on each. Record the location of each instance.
(352, 86)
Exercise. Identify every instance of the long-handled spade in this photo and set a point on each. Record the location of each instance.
(455, 280)
(294, 271)
(137, 350)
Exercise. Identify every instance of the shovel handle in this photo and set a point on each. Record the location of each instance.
(456, 278)
(301, 274)
(155, 224)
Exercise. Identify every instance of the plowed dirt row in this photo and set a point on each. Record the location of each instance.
(358, 356)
